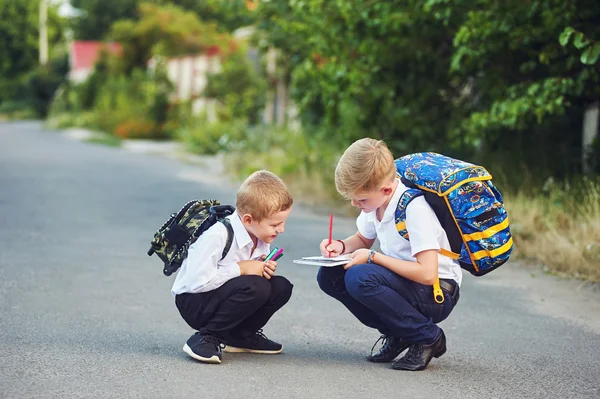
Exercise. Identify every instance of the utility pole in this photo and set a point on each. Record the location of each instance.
(43, 32)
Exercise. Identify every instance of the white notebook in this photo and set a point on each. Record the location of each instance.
(323, 261)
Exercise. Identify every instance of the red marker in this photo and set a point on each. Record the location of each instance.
(330, 231)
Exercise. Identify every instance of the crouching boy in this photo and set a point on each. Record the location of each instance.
(391, 290)
(229, 300)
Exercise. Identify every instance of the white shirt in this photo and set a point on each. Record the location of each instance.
(424, 231)
(203, 270)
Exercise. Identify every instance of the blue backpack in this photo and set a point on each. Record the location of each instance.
(467, 204)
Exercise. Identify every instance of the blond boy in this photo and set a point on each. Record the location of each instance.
(391, 290)
(229, 300)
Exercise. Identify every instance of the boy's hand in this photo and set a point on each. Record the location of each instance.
(359, 256)
(269, 269)
(251, 267)
(332, 250)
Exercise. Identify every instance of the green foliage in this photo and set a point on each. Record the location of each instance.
(238, 87)
(460, 77)
(590, 48)
(19, 41)
(132, 99)
(134, 106)
(161, 30)
(97, 16)
(389, 60)
(306, 161)
(228, 15)
(41, 83)
(203, 137)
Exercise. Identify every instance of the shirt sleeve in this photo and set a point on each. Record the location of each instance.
(365, 228)
(202, 272)
(423, 227)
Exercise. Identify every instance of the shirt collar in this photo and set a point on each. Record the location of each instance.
(390, 209)
(242, 237)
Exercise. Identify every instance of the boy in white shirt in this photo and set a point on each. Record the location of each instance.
(391, 290)
(229, 300)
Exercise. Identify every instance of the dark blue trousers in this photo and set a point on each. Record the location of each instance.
(382, 299)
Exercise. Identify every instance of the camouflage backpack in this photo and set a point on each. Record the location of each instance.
(172, 241)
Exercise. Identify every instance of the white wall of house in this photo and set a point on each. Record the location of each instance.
(189, 74)
(79, 75)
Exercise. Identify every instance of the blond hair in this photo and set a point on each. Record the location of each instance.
(263, 194)
(365, 166)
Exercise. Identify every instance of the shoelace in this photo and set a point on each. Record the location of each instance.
(213, 340)
(259, 336)
(384, 339)
(414, 353)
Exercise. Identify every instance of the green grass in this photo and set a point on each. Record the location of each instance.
(559, 229)
(105, 139)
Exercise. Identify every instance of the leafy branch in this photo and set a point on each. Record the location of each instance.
(590, 48)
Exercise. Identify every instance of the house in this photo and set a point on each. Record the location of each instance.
(83, 56)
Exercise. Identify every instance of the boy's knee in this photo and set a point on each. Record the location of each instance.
(281, 287)
(325, 279)
(359, 280)
(256, 288)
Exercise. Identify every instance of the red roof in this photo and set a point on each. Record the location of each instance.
(84, 54)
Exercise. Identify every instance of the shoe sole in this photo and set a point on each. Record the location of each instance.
(213, 359)
(233, 349)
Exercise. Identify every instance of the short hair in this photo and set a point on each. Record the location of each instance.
(365, 166)
(263, 194)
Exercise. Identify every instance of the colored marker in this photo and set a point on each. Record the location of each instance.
(278, 254)
(272, 253)
(330, 231)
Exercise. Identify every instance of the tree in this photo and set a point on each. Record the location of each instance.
(164, 31)
(527, 93)
(367, 68)
(99, 15)
(19, 42)
(484, 79)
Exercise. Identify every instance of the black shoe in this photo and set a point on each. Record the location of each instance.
(391, 348)
(419, 356)
(205, 348)
(257, 343)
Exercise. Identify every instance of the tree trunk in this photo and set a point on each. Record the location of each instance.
(590, 132)
(270, 105)
(282, 102)
(43, 32)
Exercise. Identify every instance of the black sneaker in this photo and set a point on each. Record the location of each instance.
(205, 348)
(390, 349)
(257, 343)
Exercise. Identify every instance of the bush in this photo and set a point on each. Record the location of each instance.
(132, 104)
(238, 87)
(135, 129)
(16, 110)
(71, 119)
(41, 83)
(305, 161)
(203, 137)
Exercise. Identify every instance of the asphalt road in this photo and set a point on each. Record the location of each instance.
(84, 313)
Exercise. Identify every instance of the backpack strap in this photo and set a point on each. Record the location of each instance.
(400, 219)
(400, 215)
(227, 224)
